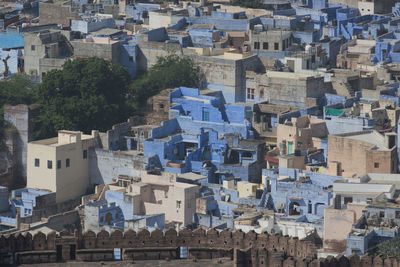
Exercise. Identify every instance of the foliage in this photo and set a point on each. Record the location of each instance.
(92, 94)
(14, 91)
(168, 72)
(247, 3)
(389, 248)
(85, 95)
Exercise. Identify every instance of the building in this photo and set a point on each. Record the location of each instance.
(57, 12)
(283, 87)
(270, 41)
(204, 135)
(301, 133)
(225, 71)
(61, 164)
(92, 23)
(364, 152)
(348, 203)
(98, 45)
(45, 51)
(354, 52)
(152, 193)
(297, 197)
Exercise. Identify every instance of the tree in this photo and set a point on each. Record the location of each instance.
(168, 72)
(85, 95)
(247, 3)
(389, 248)
(14, 91)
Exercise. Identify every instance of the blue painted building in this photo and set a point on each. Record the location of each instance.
(204, 35)
(297, 196)
(204, 135)
(119, 215)
(140, 11)
(378, 224)
(387, 48)
(128, 56)
(26, 199)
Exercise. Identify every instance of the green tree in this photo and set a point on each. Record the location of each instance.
(389, 248)
(84, 95)
(168, 72)
(247, 3)
(14, 91)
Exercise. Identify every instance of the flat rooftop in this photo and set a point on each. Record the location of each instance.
(106, 31)
(371, 137)
(55, 141)
(191, 176)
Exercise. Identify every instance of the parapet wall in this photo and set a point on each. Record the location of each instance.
(249, 249)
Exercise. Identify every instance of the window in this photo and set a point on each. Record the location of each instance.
(161, 106)
(131, 59)
(397, 214)
(178, 204)
(265, 45)
(85, 154)
(67, 163)
(348, 200)
(49, 164)
(276, 46)
(376, 165)
(32, 47)
(58, 164)
(381, 214)
(256, 45)
(250, 93)
(206, 115)
(101, 219)
(37, 162)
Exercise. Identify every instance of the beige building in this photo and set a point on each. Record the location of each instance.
(355, 52)
(283, 87)
(156, 193)
(61, 164)
(300, 133)
(350, 199)
(364, 152)
(246, 189)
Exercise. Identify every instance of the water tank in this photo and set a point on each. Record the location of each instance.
(258, 28)
(308, 48)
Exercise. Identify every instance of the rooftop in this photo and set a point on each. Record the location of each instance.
(64, 137)
(371, 137)
(191, 176)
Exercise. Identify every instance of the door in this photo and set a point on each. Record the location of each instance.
(59, 252)
(72, 249)
(290, 147)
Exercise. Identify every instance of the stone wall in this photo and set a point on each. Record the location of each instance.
(20, 117)
(105, 165)
(249, 249)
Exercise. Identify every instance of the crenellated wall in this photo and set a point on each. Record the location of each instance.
(243, 249)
